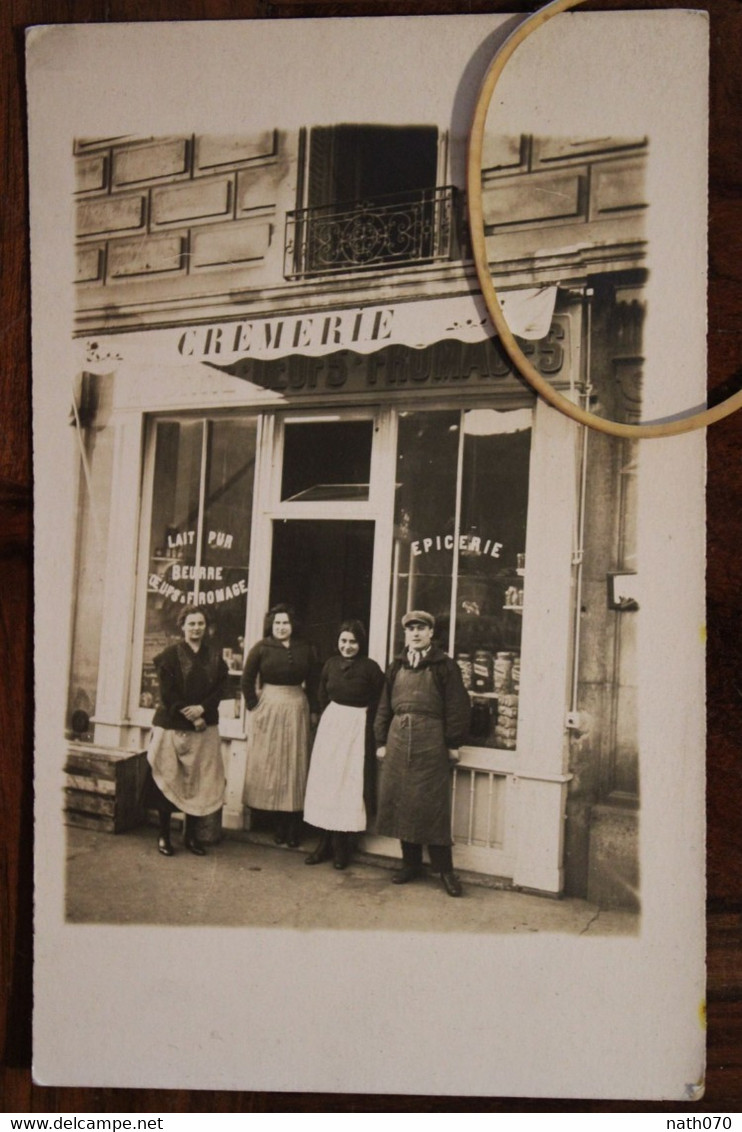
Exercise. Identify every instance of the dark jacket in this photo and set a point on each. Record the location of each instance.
(355, 683)
(187, 677)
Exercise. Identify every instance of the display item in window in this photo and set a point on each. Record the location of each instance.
(506, 729)
(279, 683)
(340, 786)
(479, 719)
(503, 670)
(483, 671)
(513, 598)
(465, 664)
(421, 721)
(184, 756)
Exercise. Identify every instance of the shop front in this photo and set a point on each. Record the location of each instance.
(351, 484)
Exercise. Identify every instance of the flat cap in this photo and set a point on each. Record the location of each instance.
(418, 615)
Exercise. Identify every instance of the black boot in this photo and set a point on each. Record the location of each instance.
(323, 852)
(452, 884)
(441, 861)
(191, 842)
(293, 829)
(164, 845)
(279, 827)
(412, 863)
(341, 849)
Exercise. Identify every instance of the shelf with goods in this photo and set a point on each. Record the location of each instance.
(493, 683)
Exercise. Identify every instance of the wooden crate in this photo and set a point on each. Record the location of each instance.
(103, 788)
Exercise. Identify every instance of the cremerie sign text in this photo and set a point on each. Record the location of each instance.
(299, 332)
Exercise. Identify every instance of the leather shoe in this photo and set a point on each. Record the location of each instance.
(194, 846)
(452, 884)
(164, 847)
(406, 874)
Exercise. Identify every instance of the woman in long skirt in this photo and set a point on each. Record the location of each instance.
(187, 770)
(349, 690)
(279, 685)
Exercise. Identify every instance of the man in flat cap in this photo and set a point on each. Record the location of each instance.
(421, 721)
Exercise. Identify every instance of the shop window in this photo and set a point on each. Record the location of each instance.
(199, 538)
(425, 519)
(326, 460)
(459, 550)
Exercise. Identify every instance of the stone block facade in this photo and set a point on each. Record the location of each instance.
(173, 209)
(570, 194)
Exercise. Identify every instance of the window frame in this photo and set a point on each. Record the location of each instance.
(137, 714)
(498, 760)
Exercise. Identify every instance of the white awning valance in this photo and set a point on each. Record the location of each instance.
(363, 329)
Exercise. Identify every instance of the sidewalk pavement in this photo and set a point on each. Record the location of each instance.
(247, 881)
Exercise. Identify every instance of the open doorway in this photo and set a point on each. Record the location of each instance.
(323, 568)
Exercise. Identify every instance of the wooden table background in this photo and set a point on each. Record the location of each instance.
(724, 1074)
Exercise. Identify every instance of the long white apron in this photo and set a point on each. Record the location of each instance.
(334, 797)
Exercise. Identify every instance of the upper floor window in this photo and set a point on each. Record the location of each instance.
(372, 200)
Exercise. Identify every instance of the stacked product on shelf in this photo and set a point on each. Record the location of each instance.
(507, 682)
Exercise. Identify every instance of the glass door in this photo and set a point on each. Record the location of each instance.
(324, 531)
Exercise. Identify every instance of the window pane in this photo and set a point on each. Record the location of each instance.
(226, 531)
(327, 460)
(489, 604)
(172, 540)
(424, 519)
(199, 552)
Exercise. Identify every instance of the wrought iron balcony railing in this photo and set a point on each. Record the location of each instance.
(407, 228)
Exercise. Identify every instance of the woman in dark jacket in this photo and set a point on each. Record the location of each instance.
(349, 690)
(279, 684)
(184, 752)
(422, 719)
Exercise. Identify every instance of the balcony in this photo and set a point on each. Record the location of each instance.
(403, 229)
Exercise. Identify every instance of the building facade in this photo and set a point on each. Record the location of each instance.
(289, 390)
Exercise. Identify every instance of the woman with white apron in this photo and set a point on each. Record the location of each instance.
(342, 760)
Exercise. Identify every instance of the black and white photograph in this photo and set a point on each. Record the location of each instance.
(347, 441)
(357, 649)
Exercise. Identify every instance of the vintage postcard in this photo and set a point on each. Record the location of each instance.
(370, 688)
